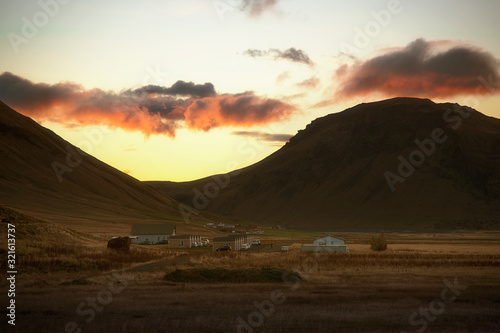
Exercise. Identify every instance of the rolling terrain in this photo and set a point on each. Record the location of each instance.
(399, 164)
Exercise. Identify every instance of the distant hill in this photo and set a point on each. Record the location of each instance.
(341, 172)
(47, 177)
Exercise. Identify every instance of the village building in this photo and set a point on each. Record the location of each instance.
(152, 233)
(258, 231)
(183, 241)
(329, 241)
(326, 244)
(235, 241)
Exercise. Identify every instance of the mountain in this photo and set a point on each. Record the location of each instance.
(45, 176)
(399, 164)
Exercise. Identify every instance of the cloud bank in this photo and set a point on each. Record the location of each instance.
(149, 109)
(419, 70)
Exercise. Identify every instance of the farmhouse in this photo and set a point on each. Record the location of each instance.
(183, 241)
(235, 241)
(152, 233)
(327, 244)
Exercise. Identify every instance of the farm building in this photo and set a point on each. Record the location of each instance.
(235, 241)
(183, 241)
(329, 241)
(326, 244)
(152, 233)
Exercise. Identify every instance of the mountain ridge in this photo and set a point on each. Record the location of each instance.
(45, 176)
(331, 174)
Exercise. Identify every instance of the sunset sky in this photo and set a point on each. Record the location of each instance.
(179, 90)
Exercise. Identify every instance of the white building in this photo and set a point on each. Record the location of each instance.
(329, 241)
(326, 244)
(152, 233)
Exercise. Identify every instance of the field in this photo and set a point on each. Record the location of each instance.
(423, 282)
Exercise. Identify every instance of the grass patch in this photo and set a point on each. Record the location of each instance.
(289, 234)
(222, 275)
(76, 282)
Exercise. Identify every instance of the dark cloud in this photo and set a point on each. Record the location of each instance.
(257, 7)
(149, 109)
(180, 88)
(13, 87)
(419, 70)
(254, 53)
(294, 55)
(264, 136)
(291, 54)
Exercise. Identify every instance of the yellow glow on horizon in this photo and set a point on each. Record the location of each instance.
(189, 156)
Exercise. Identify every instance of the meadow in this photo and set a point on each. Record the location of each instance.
(70, 282)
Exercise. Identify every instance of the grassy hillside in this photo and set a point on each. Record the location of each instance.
(332, 174)
(47, 177)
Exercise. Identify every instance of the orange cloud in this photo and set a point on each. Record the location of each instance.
(417, 70)
(149, 109)
(233, 111)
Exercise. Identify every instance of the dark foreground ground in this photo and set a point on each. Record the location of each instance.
(349, 300)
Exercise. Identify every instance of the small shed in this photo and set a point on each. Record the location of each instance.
(329, 241)
(152, 233)
(183, 241)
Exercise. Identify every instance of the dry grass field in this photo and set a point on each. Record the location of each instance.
(69, 282)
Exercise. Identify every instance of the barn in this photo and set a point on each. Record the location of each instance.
(152, 233)
(327, 244)
(183, 241)
(328, 241)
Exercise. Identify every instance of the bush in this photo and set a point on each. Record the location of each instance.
(378, 243)
(222, 275)
(120, 243)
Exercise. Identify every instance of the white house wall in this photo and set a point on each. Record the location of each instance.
(327, 248)
(329, 241)
(153, 239)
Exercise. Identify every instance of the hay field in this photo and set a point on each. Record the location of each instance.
(69, 281)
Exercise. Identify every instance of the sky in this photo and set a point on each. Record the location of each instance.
(180, 90)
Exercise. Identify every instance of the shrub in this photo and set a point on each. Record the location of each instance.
(222, 275)
(378, 243)
(120, 243)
